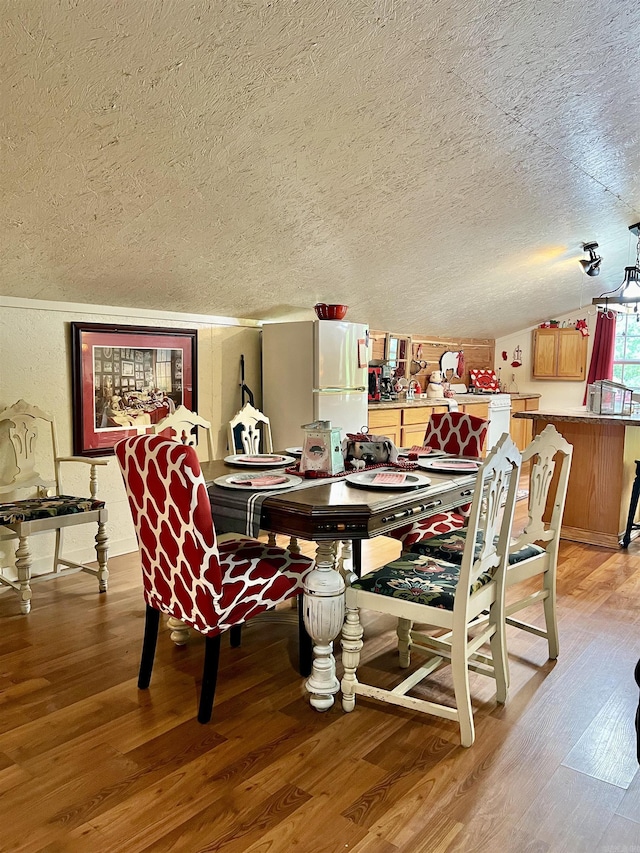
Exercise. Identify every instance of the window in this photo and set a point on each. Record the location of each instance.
(163, 369)
(626, 359)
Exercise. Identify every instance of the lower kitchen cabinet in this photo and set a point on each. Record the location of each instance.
(414, 423)
(386, 422)
(520, 429)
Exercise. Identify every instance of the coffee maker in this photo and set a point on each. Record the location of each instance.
(374, 384)
(386, 383)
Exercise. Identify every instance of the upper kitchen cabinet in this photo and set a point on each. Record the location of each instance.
(559, 354)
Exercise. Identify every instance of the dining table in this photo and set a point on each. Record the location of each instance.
(337, 513)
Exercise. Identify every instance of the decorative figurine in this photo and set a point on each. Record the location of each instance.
(435, 389)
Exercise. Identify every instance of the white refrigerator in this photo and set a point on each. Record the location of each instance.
(314, 370)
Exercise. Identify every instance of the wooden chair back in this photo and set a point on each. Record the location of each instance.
(22, 454)
(456, 432)
(248, 430)
(182, 426)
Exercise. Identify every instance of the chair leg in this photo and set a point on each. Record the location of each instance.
(460, 673)
(235, 636)
(57, 550)
(403, 631)
(551, 620)
(102, 546)
(209, 678)
(498, 643)
(633, 506)
(23, 570)
(351, 647)
(357, 557)
(305, 643)
(151, 623)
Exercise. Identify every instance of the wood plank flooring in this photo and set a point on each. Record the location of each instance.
(89, 763)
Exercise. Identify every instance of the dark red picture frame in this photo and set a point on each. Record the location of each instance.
(115, 372)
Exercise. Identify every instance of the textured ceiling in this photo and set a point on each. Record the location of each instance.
(435, 165)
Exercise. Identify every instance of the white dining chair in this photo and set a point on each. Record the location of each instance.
(534, 552)
(182, 425)
(249, 431)
(446, 597)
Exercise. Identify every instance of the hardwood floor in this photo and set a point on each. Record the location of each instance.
(89, 763)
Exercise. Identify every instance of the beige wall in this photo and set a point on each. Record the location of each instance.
(555, 394)
(35, 364)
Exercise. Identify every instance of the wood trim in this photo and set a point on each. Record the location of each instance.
(608, 540)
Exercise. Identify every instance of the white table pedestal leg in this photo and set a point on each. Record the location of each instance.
(323, 617)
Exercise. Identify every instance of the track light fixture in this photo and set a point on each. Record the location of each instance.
(591, 266)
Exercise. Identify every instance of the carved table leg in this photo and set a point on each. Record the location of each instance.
(23, 569)
(179, 631)
(102, 543)
(323, 617)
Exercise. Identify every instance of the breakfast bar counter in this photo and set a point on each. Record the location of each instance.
(605, 448)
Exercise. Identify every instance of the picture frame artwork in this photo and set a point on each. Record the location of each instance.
(149, 372)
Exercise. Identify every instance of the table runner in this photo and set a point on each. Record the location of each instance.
(238, 511)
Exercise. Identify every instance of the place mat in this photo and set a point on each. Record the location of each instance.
(258, 460)
(257, 481)
(384, 480)
(445, 465)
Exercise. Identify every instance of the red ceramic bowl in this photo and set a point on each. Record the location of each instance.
(331, 312)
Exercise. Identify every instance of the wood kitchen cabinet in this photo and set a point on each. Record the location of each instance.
(386, 422)
(414, 423)
(559, 354)
(521, 430)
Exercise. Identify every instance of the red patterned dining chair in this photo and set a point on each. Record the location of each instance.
(454, 432)
(210, 587)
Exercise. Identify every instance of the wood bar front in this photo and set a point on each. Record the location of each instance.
(605, 448)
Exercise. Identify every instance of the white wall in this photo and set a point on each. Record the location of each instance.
(35, 364)
(556, 395)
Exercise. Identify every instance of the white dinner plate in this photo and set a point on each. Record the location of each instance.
(259, 460)
(430, 452)
(367, 479)
(452, 465)
(294, 451)
(245, 482)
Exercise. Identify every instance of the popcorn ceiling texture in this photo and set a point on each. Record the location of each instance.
(435, 166)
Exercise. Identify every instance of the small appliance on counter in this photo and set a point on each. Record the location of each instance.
(375, 384)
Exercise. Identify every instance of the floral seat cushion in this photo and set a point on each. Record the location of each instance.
(420, 579)
(451, 545)
(34, 508)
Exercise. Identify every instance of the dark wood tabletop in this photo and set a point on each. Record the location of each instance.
(333, 509)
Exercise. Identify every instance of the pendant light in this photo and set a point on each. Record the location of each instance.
(628, 291)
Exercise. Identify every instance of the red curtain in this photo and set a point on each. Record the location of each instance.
(604, 342)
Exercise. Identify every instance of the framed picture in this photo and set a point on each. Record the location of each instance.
(113, 399)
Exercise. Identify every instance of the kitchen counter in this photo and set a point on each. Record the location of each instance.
(581, 416)
(605, 448)
(464, 399)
